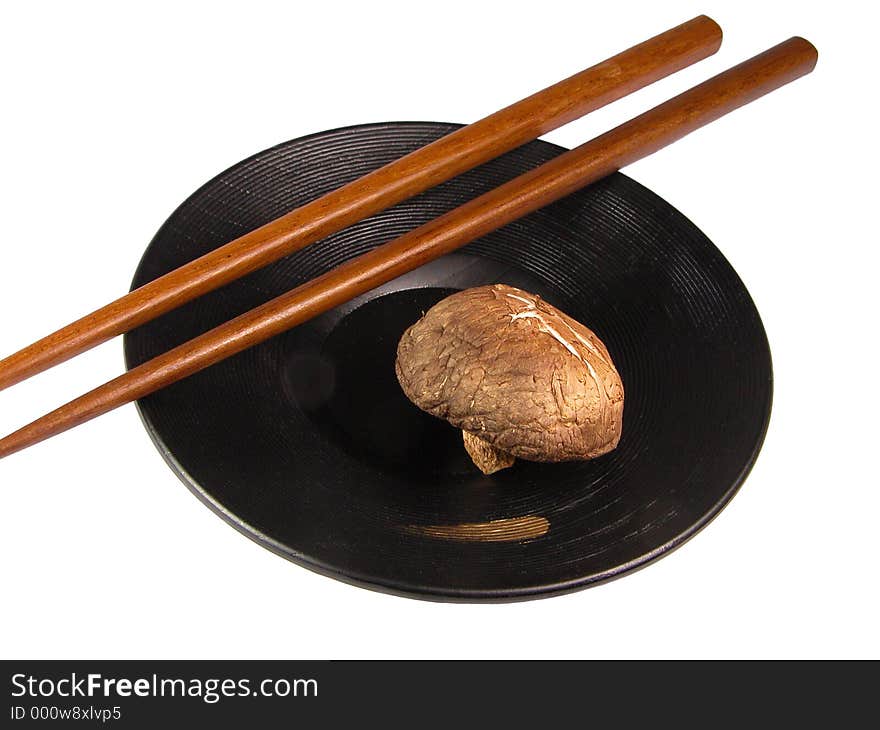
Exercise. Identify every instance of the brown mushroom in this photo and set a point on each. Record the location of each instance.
(519, 377)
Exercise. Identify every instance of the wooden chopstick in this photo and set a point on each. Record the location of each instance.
(439, 161)
(572, 170)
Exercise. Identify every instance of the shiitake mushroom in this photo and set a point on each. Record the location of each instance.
(519, 377)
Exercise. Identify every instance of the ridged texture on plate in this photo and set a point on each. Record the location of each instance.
(307, 444)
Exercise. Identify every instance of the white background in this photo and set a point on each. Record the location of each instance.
(113, 115)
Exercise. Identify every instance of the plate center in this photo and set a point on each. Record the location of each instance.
(349, 389)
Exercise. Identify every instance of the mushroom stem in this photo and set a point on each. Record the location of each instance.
(487, 458)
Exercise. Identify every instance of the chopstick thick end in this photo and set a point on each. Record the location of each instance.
(809, 51)
(710, 28)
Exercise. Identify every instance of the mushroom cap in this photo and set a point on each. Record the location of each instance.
(512, 369)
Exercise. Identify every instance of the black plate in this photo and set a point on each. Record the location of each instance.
(307, 445)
